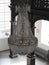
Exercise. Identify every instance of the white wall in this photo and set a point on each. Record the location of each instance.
(4, 44)
(4, 35)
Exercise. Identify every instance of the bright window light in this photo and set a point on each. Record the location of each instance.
(5, 16)
(45, 32)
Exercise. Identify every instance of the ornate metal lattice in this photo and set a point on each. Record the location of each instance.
(41, 3)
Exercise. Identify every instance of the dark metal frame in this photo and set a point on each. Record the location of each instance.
(39, 11)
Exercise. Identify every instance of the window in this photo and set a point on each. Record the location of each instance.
(5, 16)
(45, 32)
